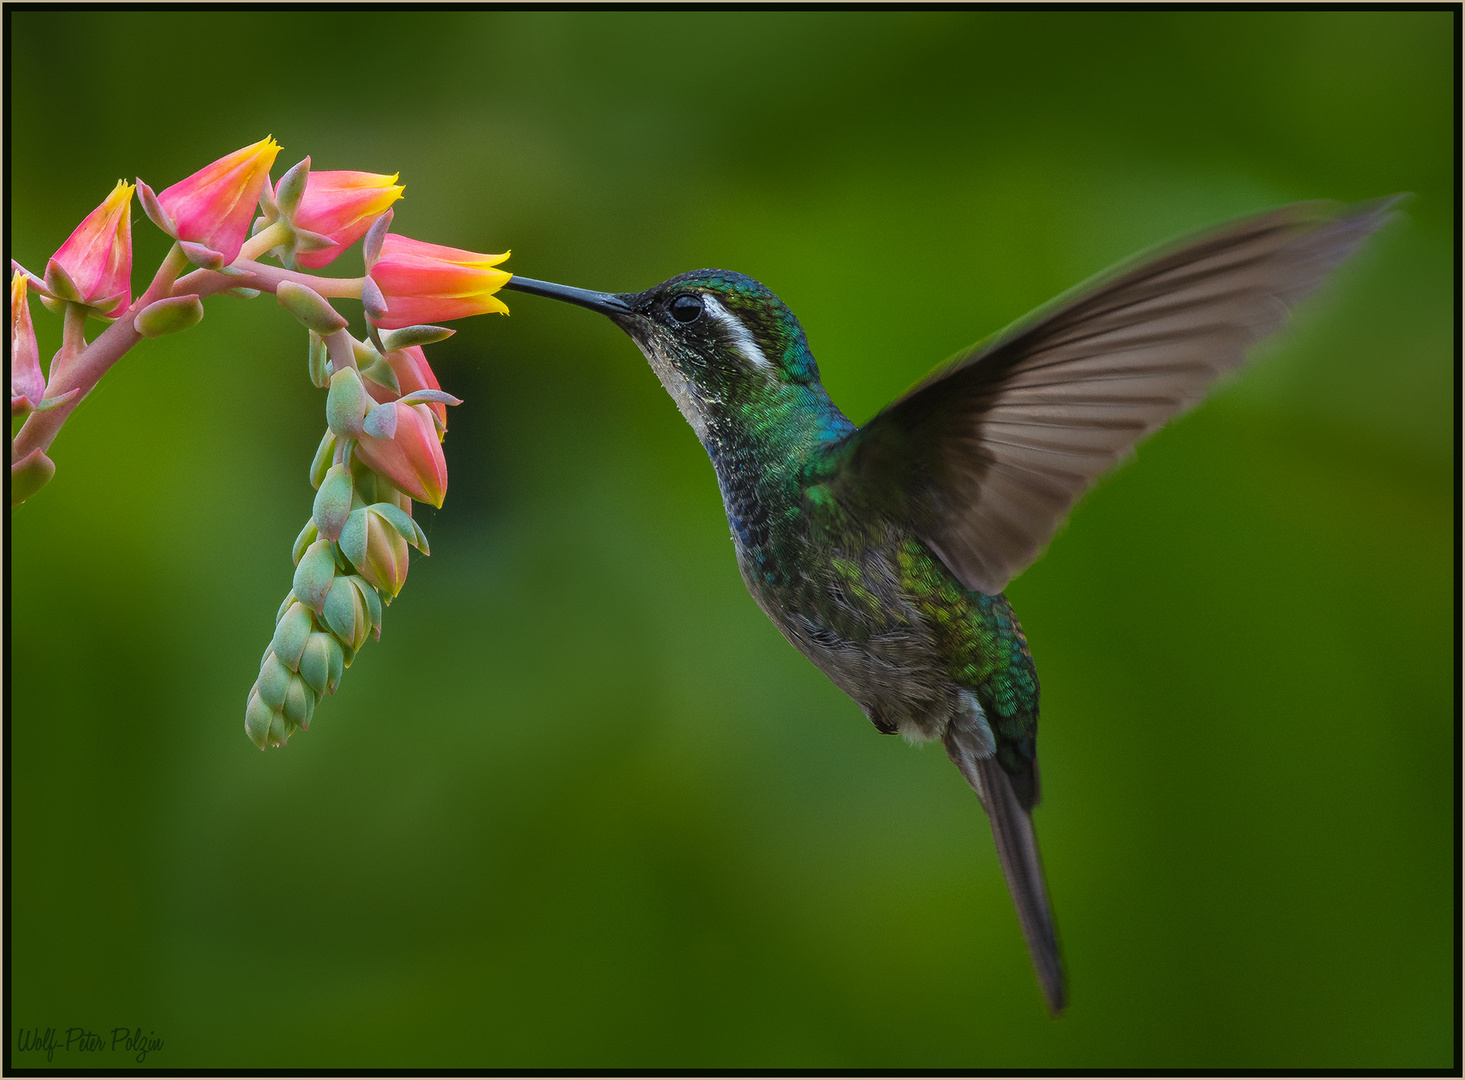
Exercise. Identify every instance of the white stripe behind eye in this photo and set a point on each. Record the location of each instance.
(742, 338)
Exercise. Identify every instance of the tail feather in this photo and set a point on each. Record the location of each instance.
(1017, 849)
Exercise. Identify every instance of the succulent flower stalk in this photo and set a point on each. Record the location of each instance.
(385, 409)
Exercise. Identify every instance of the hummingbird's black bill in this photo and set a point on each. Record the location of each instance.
(605, 303)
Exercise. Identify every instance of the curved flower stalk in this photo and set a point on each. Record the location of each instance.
(386, 413)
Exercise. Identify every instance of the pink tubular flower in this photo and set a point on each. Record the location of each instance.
(215, 206)
(27, 384)
(429, 283)
(412, 458)
(97, 257)
(342, 205)
(413, 373)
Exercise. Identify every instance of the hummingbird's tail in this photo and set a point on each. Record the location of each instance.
(1017, 849)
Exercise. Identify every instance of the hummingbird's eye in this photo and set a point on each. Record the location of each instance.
(686, 308)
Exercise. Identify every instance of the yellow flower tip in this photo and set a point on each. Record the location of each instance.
(121, 195)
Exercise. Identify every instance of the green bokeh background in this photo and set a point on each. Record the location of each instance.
(582, 806)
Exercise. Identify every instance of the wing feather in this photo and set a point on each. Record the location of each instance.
(988, 456)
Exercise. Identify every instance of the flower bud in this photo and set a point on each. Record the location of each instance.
(299, 703)
(341, 205)
(325, 453)
(97, 258)
(373, 604)
(214, 207)
(309, 307)
(413, 457)
(27, 383)
(346, 614)
(377, 549)
(425, 283)
(168, 316)
(292, 631)
(274, 681)
(333, 502)
(314, 575)
(346, 404)
(257, 718)
(307, 537)
(321, 663)
(29, 475)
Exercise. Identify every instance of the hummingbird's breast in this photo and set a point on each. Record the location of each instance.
(833, 586)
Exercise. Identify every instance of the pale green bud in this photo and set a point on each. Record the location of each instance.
(29, 475)
(168, 316)
(309, 307)
(257, 718)
(332, 502)
(291, 633)
(325, 453)
(289, 599)
(274, 681)
(346, 614)
(346, 404)
(280, 730)
(307, 537)
(373, 604)
(321, 663)
(314, 574)
(299, 703)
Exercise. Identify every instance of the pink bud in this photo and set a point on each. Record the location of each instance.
(97, 257)
(27, 383)
(428, 283)
(342, 205)
(413, 373)
(412, 458)
(215, 206)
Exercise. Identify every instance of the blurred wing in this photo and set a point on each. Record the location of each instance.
(988, 456)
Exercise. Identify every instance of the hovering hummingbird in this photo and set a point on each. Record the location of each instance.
(881, 551)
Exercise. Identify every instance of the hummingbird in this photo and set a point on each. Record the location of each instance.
(881, 551)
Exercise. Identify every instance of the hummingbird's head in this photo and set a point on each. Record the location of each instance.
(718, 340)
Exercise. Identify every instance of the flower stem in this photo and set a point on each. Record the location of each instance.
(267, 278)
(73, 332)
(271, 236)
